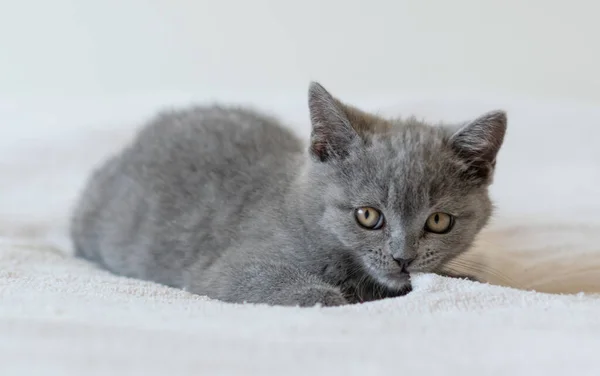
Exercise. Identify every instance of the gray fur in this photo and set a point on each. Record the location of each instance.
(227, 203)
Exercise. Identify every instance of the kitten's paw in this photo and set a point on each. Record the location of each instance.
(318, 295)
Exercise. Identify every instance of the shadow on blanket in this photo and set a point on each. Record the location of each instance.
(552, 259)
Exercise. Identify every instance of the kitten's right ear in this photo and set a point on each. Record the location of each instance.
(332, 134)
(479, 141)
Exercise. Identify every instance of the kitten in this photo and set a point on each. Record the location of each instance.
(225, 202)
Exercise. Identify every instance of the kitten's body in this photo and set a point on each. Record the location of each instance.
(227, 203)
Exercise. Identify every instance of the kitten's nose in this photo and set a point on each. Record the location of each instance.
(403, 262)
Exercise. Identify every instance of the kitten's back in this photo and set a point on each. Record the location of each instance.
(178, 194)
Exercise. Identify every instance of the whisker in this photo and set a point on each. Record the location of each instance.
(477, 268)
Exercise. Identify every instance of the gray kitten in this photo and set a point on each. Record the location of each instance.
(225, 202)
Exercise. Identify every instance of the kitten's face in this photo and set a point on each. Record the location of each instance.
(401, 180)
(407, 196)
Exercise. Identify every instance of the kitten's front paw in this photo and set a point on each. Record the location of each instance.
(318, 295)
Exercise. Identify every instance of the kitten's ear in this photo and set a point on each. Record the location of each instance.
(479, 141)
(332, 133)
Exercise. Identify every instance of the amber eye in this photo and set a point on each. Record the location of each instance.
(439, 223)
(369, 218)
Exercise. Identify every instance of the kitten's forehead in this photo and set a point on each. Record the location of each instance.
(412, 137)
(408, 165)
(409, 148)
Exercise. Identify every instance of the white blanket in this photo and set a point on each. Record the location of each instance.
(63, 316)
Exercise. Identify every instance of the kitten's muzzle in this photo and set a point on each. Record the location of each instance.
(403, 262)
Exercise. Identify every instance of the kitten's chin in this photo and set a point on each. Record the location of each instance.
(394, 280)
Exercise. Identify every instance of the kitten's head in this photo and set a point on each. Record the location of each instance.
(404, 196)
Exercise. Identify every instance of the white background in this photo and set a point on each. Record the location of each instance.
(547, 49)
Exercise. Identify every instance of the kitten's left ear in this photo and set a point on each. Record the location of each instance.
(332, 133)
(479, 141)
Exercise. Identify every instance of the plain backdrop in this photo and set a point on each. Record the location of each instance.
(548, 49)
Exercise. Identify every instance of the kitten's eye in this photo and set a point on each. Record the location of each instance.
(369, 218)
(439, 223)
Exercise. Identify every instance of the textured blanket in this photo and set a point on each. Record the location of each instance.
(63, 316)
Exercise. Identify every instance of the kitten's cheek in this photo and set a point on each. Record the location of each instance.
(386, 250)
(336, 223)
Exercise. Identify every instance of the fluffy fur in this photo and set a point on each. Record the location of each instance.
(226, 202)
